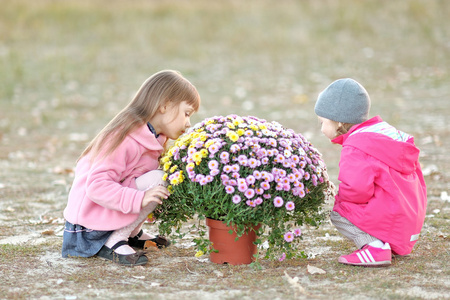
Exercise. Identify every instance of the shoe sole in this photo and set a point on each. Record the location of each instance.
(374, 265)
(121, 264)
(115, 258)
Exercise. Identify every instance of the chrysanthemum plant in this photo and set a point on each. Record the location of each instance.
(245, 171)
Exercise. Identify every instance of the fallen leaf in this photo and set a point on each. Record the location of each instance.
(315, 270)
(48, 232)
(61, 170)
(293, 281)
(429, 170)
(445, 196)
(218, 273)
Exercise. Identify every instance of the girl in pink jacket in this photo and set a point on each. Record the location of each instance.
(382, 195)
(117, 182)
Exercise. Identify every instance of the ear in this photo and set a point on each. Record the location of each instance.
(162, 109)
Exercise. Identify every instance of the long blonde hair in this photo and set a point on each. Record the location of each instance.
(164, 87)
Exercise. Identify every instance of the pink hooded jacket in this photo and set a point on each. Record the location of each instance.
(104, 194)
(382, 189)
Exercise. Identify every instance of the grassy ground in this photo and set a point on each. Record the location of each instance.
(67, 67)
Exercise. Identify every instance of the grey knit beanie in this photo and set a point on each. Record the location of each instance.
(345, 100)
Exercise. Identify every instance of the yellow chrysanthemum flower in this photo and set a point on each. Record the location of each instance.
(254, 127)
(262, 126)
(165, 159)
(233, 136)
(174, 181)
(173, 168)
(197, 157)
(240, 132)
(204, 152)
(164, 178)
(199, 253)
(167, 166)
(171, 151)
(209, 143)
(231, 125)
(190, 166)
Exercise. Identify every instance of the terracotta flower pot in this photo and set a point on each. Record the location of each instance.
(232, 252)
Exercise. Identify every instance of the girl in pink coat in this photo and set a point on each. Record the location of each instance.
(117, 182)
(382, 195)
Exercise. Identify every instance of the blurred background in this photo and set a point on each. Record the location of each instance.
(67, 67)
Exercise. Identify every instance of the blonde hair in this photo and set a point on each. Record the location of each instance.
(342, 128)
(167, 87)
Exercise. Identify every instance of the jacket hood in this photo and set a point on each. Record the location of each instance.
(402, 156)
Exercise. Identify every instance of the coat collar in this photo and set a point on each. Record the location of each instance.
(341, 139)
(147, 139)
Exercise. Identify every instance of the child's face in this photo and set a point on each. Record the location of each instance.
(176, 119)
(328, 128)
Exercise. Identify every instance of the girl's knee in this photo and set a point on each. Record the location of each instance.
(150, 179)
(334, 217)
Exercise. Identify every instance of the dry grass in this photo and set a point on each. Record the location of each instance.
(67, 67)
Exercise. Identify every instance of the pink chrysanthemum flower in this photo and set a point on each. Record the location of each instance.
(214, 172)
(279, 158)
(236, 199)
(227, 169)
(250, 203)
(242, 187)
(224, 157)
(242, 159)
(257, 174)
(302, 193)
(213, 148)
(297, 232)
(249, 193)
(265, 185)
(229, 189)
(290, 205)
(234, 148)
(288, 236)
(250, 179)
(213, 164)
(278, 201)
(253, 163)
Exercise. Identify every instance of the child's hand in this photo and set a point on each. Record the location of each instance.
(156, 194)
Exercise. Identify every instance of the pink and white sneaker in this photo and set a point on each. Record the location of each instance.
(369, 256)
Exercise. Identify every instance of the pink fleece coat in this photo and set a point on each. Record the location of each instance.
(382, 189)
(104, 194)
